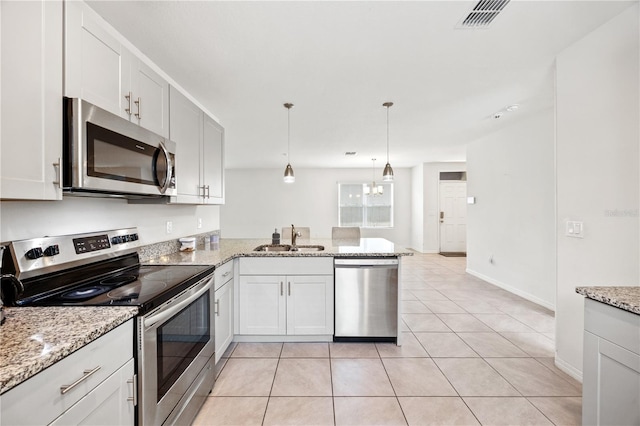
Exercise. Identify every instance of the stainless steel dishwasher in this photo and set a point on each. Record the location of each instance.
(366, 299)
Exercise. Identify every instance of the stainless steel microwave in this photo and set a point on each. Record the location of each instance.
(104, 154)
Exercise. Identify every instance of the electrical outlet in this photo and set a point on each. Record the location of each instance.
(199, 222)
(169, 227)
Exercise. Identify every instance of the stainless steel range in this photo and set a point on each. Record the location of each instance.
(175, 326)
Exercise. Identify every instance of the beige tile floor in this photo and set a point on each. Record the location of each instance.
(472, 354)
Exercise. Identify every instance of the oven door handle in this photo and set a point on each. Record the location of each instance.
(171, 310)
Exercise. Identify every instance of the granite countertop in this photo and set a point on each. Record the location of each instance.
(230, 248)
(626, 298)
(32, 339)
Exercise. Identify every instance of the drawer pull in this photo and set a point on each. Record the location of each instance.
(87, 373)
(217, 308)
(226, 274)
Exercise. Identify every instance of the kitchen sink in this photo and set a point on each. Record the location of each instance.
(287, 247)
(273, 247)
(310, 248)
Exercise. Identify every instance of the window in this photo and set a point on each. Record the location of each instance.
(358, 206)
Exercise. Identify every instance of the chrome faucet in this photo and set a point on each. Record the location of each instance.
(294, 236)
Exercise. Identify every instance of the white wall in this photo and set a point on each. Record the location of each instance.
(597, 171)
(417, 207)
(21, 220)
(431, 196)
(511, 174)
(257, 201)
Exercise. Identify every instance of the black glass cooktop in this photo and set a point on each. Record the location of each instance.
(145, 286)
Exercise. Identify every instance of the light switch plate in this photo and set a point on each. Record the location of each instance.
(574, 229)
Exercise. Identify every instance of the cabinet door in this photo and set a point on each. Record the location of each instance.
(186, 131)
(213, 159)
(31, 69)
(611, 388)
(310, 305)
(262, 305)
(224, 318)
(150, 99)
(111, 403)
(96, 69)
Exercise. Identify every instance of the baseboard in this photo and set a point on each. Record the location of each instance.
(568, 368)
(513, 290)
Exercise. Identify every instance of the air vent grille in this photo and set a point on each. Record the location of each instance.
(483, 14)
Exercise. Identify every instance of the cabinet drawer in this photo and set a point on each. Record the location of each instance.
(39, 400)
(286, 266)
(614, 324)
(223, 274)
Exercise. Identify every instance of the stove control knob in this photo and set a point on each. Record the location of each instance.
(52, 250)
(34, 253)
(134, 237)
(116, 240)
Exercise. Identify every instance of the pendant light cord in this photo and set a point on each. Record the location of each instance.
(387, 134)
(288, 135)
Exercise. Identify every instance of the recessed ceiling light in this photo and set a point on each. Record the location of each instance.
(513, 107)
(348, 153)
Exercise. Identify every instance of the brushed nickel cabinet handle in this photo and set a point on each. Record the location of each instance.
(208, 191)
(226, 274)
(59, 166)
(139, 105)
(128, 98)
(134, 389)
(87, 373)
(216, 309)
(289, 287)
(281, 289)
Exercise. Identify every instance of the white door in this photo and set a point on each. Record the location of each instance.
(224, 318)
(453, 216)
(262, 305)
(309, 304)
(185, 129)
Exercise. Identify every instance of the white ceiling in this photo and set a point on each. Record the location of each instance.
(339, 61)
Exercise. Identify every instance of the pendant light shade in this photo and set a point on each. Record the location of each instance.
(387, 174)
(288, 171)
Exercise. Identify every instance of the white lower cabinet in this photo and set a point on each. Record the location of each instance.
(94, 385)
(223, 318)
(286, 304)
(109, 403)
(611, 376)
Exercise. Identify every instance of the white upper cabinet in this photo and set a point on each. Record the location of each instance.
(31, 69)
(100, 70)
(199, 152)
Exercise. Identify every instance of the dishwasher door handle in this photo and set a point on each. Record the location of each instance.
(366, 263)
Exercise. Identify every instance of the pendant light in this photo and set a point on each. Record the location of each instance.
(387, 175)
(288, 171)
(374, 189)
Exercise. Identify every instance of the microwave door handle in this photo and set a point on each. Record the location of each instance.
(167, 158)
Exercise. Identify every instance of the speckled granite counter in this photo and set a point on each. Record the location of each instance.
(229, 248)
(32, 339)
(626, 298)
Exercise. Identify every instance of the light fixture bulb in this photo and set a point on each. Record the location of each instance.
(288, 174)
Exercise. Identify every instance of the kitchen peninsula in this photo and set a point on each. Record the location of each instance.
(611, 372)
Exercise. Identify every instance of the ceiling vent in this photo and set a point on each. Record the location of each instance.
(482, 14)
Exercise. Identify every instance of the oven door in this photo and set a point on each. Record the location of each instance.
(176, 349)
(106, 153)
